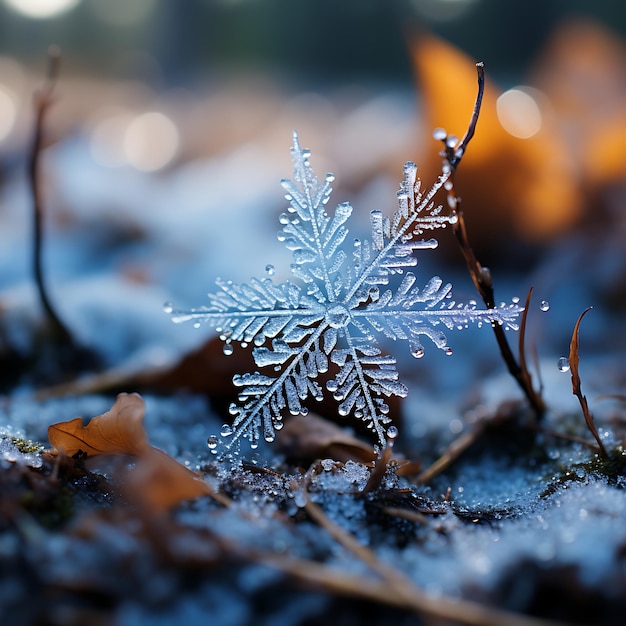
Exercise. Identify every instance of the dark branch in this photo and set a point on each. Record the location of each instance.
(481, 276)
(43, 100)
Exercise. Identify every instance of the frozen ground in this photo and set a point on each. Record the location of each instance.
(523, 521)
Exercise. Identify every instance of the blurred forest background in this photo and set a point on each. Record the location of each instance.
(172, 123)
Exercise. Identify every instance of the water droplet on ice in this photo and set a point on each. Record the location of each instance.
(227, 349)
(226, 431)
(270, 269)
(418, 353)
(212, 442)
(196, 325)
(515, 299)
(330, 178)
(283, 218)
(392, 432)
(167, 307)
(563, 364)
(544, 305)
(448, 351)
(439, 134)
(332, 386)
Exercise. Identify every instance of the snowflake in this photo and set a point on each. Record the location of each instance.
(330, 317)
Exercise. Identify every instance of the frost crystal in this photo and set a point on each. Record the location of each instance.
(330, 316)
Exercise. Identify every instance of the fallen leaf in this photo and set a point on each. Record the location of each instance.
(157, 481)
(525, 188)
(307, 438)
(160, 482)
(118, 431)
(581, 71)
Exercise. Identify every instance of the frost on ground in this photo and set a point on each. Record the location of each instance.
(524, 521)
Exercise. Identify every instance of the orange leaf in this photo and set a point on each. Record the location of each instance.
(509, 185)
(160, 482)
(304, 439)
(582, 73)
(118, 431)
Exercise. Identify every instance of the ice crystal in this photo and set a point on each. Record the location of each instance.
(330, 316)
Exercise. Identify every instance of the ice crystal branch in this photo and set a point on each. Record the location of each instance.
(339, 303)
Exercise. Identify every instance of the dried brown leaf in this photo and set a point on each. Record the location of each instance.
(159, 482)
(118, 431)
(305, 439)
(574, 360)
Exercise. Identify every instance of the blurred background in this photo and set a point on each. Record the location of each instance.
(172, 125)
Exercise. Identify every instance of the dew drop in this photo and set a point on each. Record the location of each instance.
(254, 445)
(304, 411)
(448, 185)
(196, 325)
(439, 134)
(392, 432)
(283, 219)
(544, 305)
(168, 308)
(270, 270)
(332, 386)
(418, 353)
(233, 409)
(563, 364)
(448, 351)
(227, 349)
(515, 299)
(212, 442)
(269, 437)
(330, 178)
(226, 430)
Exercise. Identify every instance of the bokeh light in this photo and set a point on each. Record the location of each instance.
(41, 9)
(519, 113)
(150, 141)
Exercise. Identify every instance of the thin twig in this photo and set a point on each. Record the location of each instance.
(481, 276)
(43, 101)
(574, 360)
(452, 453)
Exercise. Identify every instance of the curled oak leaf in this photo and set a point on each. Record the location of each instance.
(159, 482)
(118, 431)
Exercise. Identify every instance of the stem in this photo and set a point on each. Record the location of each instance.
(43, 101)
(481, 276)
